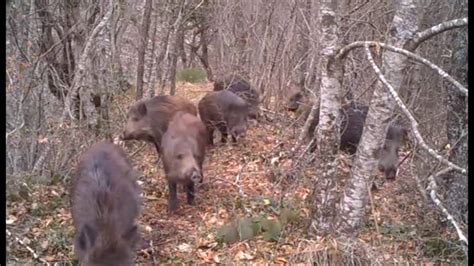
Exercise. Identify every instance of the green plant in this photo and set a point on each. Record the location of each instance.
(249, 227)
(192, 75)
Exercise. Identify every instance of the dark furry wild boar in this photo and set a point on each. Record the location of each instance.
(225, 111)
(224, 83)
(295, 101)
(352, 125)
(105, 200)
(241, 88)
(147, 120)
(184, 147)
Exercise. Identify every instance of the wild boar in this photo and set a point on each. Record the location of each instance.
(352, 125)
(105, 201)
(241, 88)
(148, 119)
(225, 111)
(184, 147)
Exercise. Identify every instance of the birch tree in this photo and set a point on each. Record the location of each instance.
(404, 26)
(324, 193)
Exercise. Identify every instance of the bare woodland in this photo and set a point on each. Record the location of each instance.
(74, 68)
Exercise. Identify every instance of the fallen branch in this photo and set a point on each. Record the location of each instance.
(414, 123)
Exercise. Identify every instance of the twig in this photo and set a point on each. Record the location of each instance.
(343, 52)
(372, 206)
(152, 252)
(433, 186)
(139, 149)
(414, 123)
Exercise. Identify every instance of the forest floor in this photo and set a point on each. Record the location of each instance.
(239, 181)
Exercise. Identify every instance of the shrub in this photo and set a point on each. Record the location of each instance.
(192, 75)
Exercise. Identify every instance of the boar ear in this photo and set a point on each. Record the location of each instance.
(141, 107)
(86, 237)
(131, 235)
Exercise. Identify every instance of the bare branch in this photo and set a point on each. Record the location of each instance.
(343, 52)
(433, 186)
(414, 123)
(435, 30)
(81, 65)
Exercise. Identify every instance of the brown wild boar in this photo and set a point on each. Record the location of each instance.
(184, 147)
(147, 120)
(241, 88)
(105, 201)
(388, 153)
(225, 111)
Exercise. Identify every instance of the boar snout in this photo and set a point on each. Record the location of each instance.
(237, 133)
(196, 176)
(390, 172)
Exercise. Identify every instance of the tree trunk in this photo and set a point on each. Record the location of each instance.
(142, 47)
(403, 28)
(457, 125)
(151, 77)
(173, 56)
(324, 193)
(77, 82)
(205, 57)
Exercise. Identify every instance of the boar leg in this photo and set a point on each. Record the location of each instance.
(172, 200)
(210, 135)
(190, 193)
(224, 137)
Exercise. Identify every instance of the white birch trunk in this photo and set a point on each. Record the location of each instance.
(403, 28)
(324, 194)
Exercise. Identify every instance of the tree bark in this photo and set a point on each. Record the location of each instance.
(324, 194)
(142, 47)
(457, 125)
(403, 28)
(173, 56)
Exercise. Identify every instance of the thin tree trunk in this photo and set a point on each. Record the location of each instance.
(205, 57)
(324, 192)
(173, 56)
(77, 82)
(142, 47)
(151, 77)
(403, 28)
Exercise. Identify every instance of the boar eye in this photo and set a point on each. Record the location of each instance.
(179, 156)
(134, 119)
